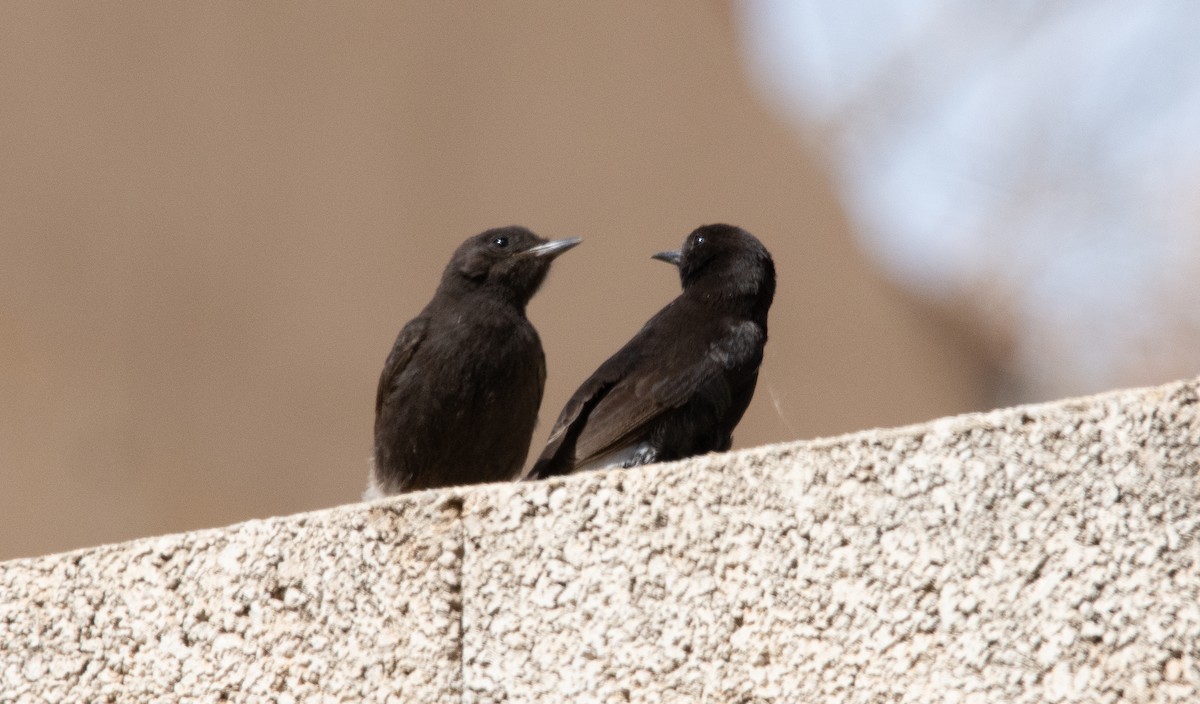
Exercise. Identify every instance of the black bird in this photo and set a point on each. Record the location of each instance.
(681, 385)
(459, 394)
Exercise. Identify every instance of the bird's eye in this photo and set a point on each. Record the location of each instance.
(699, 240)
(500, 242)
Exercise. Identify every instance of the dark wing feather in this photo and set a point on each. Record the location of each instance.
(556, 457)
(654, 372)
(407, 342)
(648, 391)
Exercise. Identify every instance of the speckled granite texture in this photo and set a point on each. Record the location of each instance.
(1045, 553)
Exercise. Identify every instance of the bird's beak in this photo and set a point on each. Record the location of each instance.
(669, 257)
(553, 248)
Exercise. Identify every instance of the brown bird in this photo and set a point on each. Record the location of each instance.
(459, 394)
(681, 385)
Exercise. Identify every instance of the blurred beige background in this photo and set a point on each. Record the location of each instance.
(215, 217)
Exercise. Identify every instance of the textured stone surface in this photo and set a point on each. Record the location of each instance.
(1045, 553)
(356, 603)
(1039, 554)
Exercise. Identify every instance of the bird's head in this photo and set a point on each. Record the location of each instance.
(725, 263)
(511, 261)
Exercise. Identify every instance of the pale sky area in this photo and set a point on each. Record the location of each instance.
(1035, 166)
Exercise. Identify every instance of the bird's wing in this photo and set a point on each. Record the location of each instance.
(651, 390)
(407, 342)
(556, 457)
(646, 378)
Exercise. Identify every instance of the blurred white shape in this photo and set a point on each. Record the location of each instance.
(1034, 163)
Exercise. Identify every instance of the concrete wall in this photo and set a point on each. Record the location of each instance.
(1044, 553)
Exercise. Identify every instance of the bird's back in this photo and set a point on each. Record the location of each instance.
(678, 388)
